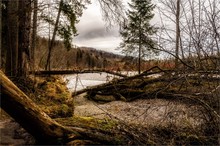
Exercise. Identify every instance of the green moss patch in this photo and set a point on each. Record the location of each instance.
(53, 97)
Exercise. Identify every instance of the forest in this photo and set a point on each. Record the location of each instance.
(172, 47)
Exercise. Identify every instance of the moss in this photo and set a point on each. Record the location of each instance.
(102, 98)
(107, 124)
(82, 142)
(58, 111)
(103, 124)
(53, 97)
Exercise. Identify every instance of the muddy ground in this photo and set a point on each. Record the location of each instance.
(11, 133)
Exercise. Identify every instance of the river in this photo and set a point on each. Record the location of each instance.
(77, 82)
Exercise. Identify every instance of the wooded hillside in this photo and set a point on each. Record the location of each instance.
(90, 58)
(79, 57)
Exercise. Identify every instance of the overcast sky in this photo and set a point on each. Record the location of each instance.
(93, 33)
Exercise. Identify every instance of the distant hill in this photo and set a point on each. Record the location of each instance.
(80, 57)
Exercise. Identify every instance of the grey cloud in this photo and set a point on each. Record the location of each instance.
(97, 32)
(93, 32)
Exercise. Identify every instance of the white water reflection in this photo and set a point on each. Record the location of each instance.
(80, 81)
(77, 82)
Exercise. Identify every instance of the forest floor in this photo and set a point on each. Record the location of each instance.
(11, 133)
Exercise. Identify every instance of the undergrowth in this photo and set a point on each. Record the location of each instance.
(50, 93)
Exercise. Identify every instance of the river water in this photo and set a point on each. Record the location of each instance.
(77, 82)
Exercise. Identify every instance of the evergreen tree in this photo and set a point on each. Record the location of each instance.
(137, 31)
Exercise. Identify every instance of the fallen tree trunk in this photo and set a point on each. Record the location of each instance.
(115, 82)
(140, 85)
(29, 115)
(62, 72)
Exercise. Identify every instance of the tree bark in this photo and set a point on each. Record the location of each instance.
(177, 32)
(34, 33)
(24, 36)
(0, 33)
(62, 72)
(12, 38)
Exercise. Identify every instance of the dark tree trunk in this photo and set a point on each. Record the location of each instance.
(0, 33)
(3, 33)
(12, 38)
(34, 34)
(24, 36)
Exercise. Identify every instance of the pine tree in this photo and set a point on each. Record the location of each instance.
(136, 31)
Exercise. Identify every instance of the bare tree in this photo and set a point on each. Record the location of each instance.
(177, 31)
(198, 24)
(213, 15)
(112, 11)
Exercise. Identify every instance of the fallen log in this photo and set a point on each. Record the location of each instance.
(29, 115)
(115, 82)
(62, 72)
(140, 81)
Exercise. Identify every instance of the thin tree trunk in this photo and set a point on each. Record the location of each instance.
(48, 63)
(177, 32)
(139, 50)
(139, 60)
(34, 34)
(0, 33)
